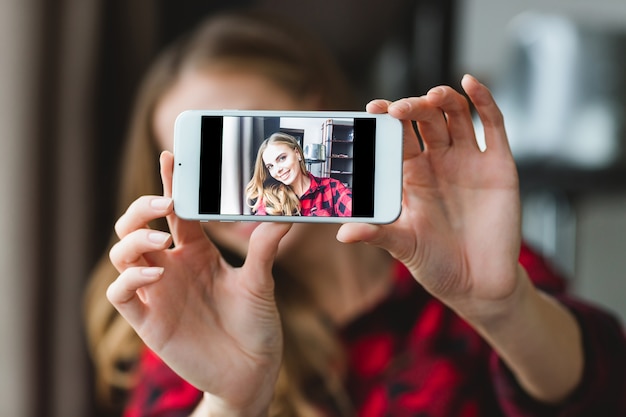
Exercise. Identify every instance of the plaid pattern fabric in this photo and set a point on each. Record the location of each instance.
(413, 356)
(326, 197)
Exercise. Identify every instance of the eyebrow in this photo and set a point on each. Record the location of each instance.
(275, 159)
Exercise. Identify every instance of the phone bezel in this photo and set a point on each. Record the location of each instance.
(387, 174)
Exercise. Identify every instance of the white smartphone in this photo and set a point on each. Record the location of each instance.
(293, 166)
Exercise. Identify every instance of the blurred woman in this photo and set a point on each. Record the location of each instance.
(434, 314)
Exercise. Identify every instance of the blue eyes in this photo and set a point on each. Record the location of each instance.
(280, 158)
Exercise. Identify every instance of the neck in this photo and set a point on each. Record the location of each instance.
(301, 184)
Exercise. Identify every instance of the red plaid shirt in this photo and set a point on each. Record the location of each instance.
(412, 356)
(325, 197)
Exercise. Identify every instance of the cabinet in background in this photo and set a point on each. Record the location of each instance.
(338, 137)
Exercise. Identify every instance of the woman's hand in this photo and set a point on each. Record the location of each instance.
(215, 325)
(459, 235)
(459, 230)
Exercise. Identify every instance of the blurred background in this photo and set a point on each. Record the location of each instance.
(70, 68)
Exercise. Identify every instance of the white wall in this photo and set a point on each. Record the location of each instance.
(312, 128)
(595, 261)
(481, 36)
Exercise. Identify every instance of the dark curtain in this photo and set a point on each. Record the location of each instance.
(91, 55)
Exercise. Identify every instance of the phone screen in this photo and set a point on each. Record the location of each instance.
(328, 164)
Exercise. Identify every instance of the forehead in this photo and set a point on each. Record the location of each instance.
(273, 151)
(217, 90)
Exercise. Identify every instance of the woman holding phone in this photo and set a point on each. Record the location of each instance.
(281, 184)
(443, 313)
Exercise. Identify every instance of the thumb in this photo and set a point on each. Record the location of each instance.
(362, 232)
(262, 250)
(383, 236)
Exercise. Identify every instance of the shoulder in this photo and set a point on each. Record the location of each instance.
(603, 338)
(328, 182)
(260, 209)
(315, 181)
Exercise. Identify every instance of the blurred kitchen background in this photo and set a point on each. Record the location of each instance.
(70, 68)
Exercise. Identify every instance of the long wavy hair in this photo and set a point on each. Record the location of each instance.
(278, 198)
(242, 41)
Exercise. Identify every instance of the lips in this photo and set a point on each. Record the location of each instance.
(284, 177)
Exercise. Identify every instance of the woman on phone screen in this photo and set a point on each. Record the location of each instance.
(281, 184)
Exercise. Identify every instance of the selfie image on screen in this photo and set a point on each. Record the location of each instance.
(287, 166)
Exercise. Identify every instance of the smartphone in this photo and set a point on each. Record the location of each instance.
(293, 166)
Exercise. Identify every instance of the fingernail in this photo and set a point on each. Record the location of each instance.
(469, 77)
(152, 271)
(435, 91)
(158, 237)
(160, 203)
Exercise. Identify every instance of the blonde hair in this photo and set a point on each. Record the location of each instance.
(278, 198)
(245, 42)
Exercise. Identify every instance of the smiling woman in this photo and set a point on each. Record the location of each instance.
(281, 184)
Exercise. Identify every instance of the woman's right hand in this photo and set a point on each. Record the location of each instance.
(216, 326)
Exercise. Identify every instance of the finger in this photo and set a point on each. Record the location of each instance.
(431, 122)
(130, 250)
(411, 145)
(183, 231)
(359, 232)
(262, 251)
(141, 212)
(378, 106)
(382, 236)
(489, 113)
(123, 292)
(457, 114)
(166, 161)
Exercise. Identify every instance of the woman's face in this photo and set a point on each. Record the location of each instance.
(282, 162)
(213, 90)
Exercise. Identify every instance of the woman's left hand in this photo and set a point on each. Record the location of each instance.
(459, 234)
(459, 230)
